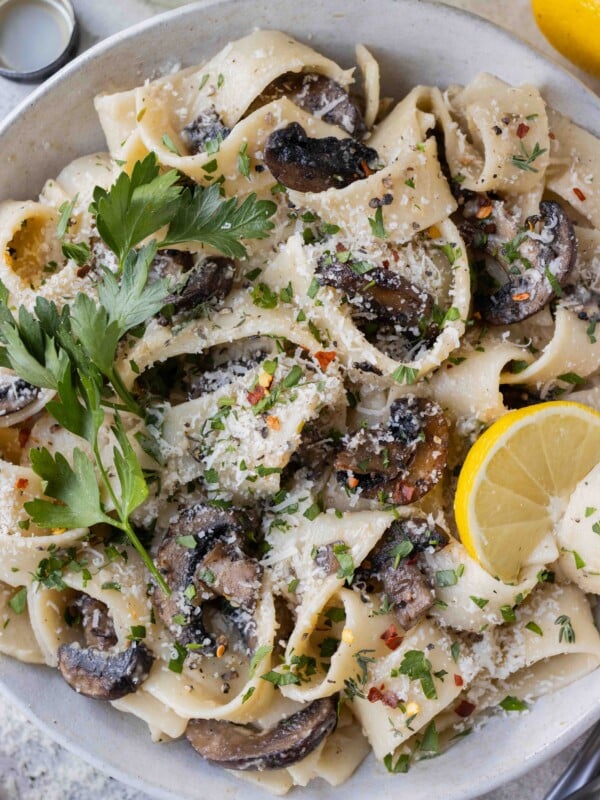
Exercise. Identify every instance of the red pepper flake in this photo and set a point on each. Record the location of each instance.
(21, 484)
(353, 482)
(484, 212)
(395, 255)
(366, 168)
(458, 680)
(375, 695)
(325, 357)
(464, 708)
(256, 395)
(390, 698)
(579, 194)
(391, 638)
(522, 130)
(273, 422)
(24, 434)
(385, 263)
(519, 298)
(551, 135)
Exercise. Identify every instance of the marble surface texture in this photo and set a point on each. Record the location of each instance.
(33, 766)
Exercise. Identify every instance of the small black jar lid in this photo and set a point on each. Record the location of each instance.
(37, 37)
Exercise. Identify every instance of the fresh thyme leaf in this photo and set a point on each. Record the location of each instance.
(524, 159)
(204, 216)
(566, 631)
(75, 487)
(136, 207)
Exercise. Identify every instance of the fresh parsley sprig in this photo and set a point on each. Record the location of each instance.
(137, 206)
(58, 351)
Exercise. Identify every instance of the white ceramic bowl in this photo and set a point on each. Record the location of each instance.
(415, 42)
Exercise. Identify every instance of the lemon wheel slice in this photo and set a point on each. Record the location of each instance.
(517, 479)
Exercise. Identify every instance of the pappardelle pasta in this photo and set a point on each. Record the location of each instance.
(244, 356)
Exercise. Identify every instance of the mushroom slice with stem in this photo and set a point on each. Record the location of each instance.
(319, 95)
(202, 558)
(532, 262)
(241, 747)
(19, 400)
(315, 165)
(401, 462)
(394, 565)
(379, 293)
(98, 670)
(208, 282)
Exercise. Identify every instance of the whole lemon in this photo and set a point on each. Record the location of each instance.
(573, 28)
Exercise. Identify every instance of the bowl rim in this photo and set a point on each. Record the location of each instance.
(539, 755)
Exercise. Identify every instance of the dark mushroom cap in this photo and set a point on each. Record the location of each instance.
(537, 260)
(104, 675)
(404, 460)
(238, 747)
(320, 96)
(314, 165)
(216, 566)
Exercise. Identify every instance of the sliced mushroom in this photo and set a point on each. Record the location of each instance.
(320, 96)
(533, 262)
(242, 747)
(19, 400)
(170, 264)
(97, 670)
(105, 676)
(404, 460)
(394, 564)
(379, 293)
(207, 127)
(314, 165)
(210, 281)
(97, 625)
(202, 558)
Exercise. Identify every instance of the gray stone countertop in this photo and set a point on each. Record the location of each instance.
(32, 765)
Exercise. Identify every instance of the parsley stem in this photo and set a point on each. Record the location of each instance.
(125, 395)
(124, 525)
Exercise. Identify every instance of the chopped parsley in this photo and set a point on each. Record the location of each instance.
(418, 667)
(511, 703)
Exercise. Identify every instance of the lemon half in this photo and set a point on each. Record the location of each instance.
(573, 28)
(517, 479)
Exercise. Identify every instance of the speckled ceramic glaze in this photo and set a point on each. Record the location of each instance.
(416, 42)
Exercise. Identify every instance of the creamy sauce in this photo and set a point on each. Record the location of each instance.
(33, 34)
